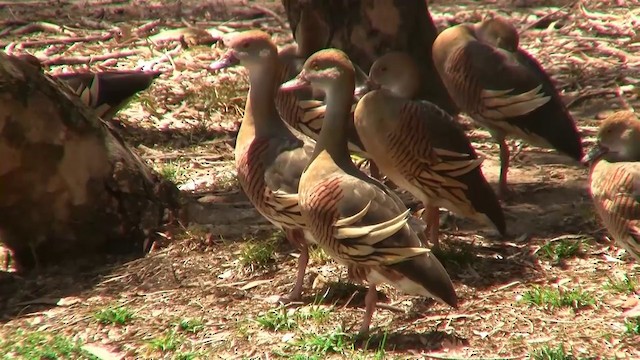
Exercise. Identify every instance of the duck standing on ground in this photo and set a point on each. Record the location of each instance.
(421, 148)
(269, 155)
(356, 219)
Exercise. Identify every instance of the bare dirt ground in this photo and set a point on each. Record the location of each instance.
(206, 292)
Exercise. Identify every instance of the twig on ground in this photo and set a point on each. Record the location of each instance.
(8, 23)
(618, 91)
(75, 60)
(145, 28)
(41, 26)
(539, 21)
(69, 40)
(594, 15)
(166, 56)
(353, 295)
(390, 308)
(620, 95)
(504, 287)
(7, 30)
(193, 156)
(269, 12)
(589, 94)
(447, 316)
(24, 3)
(98, 25)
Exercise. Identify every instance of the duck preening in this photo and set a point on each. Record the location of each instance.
(504, 89)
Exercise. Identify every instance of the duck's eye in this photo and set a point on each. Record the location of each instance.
(245, 45)
(383, 69)
(315, 66)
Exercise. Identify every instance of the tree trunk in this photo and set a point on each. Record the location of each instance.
(69, 186)
(367, 29)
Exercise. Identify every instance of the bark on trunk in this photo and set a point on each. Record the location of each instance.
(69, 185)
(366, 29)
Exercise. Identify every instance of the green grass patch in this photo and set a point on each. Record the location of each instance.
(551, 353)
(226, 180)
(114, 316)
(174, 171)
(190, 355)
(303, 357)
(622, 285)
(278, 319)
(318, 255)
(285, 319)
(226, 97)
(632, 326)
(192, 326)
(557, 251)
(380, 349)
(169, 342)
(41, 345)
(554, 298)
(258, 254)
(336, 342)
(148, 102)
(317, 313)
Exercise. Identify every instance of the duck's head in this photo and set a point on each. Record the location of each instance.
(618, 139)
(327, 70)
(248, 48)
(498, 32)
(397, 72)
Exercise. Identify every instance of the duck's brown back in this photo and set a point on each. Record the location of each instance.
(509, 93)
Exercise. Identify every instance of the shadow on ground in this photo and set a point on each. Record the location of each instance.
(221, 141)
(43, 288)
(406, 341)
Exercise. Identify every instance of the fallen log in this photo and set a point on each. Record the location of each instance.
(69, 185)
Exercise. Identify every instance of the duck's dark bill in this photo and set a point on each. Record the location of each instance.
(363, 89)
(593, 154)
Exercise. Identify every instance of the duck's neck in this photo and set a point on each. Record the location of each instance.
(333, 136)
(260, 110)
(634, 150)
(404, 90)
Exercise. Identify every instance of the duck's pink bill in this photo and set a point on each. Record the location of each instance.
(294, 84)
(227, 60)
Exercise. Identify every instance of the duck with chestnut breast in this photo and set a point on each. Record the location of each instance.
(421, 148)
(504, 89)
(356, 219)
(269, 155)
(614, 179)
